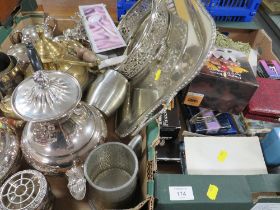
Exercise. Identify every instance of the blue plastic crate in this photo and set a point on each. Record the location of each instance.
(123, 6)
(232, 10)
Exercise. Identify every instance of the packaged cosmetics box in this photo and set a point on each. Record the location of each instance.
(169, 122)
(208, 122)
(225, 84)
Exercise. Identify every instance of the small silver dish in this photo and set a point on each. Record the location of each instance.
(26, 190)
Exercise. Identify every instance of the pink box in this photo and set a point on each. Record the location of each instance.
(100, 28)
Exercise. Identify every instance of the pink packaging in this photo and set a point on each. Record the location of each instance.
(100, 28)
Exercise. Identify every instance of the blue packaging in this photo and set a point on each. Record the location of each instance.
(271, 147)
(208, 122)
(123, 6)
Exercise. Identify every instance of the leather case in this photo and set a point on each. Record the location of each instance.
(265, 103)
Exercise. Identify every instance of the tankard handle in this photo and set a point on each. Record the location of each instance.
(136, 145)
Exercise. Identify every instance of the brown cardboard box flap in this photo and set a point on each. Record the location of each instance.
(258, 39)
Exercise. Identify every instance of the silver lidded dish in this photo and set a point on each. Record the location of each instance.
(61, 130)
(26, 190)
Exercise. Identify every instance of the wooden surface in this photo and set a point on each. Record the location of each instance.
(64, 8)
(6, 9)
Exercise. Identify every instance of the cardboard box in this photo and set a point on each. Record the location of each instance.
(258, 40)
(226, 83)
(228, 192)
(150, 135)
(6, 9)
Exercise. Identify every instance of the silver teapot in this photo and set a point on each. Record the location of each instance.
(20, 53)
(30, 31)
(61, 130)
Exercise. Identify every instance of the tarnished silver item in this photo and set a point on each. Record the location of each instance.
(26, 190)
(186, 45)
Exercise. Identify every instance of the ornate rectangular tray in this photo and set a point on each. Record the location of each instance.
(168, 43)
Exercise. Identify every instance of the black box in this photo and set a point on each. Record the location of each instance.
(169, 122)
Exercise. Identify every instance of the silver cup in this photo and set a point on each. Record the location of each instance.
(111, 171)
(108, 92)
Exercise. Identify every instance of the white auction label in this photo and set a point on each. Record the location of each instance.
(266, 206)
(181, 193)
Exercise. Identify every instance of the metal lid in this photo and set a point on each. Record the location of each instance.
(48, 95)
(25, 190)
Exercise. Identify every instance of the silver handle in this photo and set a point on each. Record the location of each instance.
(136, 145)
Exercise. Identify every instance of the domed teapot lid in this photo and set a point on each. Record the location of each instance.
(48, 95)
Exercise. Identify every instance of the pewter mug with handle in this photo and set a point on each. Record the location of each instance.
(111, 171)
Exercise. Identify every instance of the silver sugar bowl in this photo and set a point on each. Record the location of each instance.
(61, 130)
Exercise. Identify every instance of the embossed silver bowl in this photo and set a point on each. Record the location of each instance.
(10, 154)
(168, 42)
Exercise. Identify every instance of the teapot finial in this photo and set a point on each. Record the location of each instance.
(41, 79)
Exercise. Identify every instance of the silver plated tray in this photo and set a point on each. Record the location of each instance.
(187, 45)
